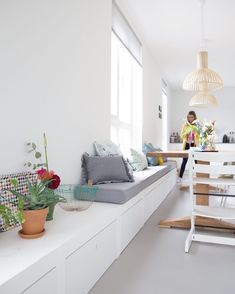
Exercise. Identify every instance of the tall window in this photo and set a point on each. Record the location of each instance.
(126, 96)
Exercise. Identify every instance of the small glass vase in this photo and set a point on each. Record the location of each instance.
(203, 144)
(210, 144)
(207, 143)
(50, 214)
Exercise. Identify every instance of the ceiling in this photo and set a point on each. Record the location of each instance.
(171, 31)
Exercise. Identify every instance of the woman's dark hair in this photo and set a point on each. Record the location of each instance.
(193, 113)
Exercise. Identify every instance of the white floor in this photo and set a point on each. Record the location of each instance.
(155, 262)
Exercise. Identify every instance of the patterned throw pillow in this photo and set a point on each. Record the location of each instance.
(138, 160)
(107, 147)
(148, 147)
(152, 161)
(10, 200)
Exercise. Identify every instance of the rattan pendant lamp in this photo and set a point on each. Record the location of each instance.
(202, 79)
(202, 75)
(203, 98)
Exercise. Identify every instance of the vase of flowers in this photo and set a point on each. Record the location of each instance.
(46, 176)
(207, 136)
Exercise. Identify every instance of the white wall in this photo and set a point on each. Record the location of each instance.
(169, 114)
(152, 97)
(223, 114)
(54, 77)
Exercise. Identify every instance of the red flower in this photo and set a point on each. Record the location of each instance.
(54, 183)
(40, 172)
(44, 175)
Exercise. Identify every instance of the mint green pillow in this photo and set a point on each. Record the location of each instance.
(138, 160)
(106, 147)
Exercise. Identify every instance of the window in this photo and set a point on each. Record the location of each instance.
(126, 97)
(126, 85)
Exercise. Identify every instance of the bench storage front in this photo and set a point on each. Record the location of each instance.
(77, 247)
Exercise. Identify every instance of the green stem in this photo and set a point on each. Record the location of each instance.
(45, 149)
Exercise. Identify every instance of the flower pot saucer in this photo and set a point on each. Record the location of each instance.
(20, 232)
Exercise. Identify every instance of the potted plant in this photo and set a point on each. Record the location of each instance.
(34, 207)
(46, 176)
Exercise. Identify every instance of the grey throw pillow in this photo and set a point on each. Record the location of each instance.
(105, 169)
(108, 148)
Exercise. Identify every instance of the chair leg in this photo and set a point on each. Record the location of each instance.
(189, 240)
(222, 202)
(225, 200)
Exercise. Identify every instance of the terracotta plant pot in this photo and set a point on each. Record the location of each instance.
(34, 221)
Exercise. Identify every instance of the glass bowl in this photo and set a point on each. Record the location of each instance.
(78, 197)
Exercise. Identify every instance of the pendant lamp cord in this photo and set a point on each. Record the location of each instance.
(202, 41)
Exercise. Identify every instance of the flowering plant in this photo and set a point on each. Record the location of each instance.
(44, 174)
(47, 178)
(39, 195)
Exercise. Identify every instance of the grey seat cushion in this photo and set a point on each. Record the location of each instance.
(120, 193)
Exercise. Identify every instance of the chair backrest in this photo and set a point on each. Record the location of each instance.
(212, 163)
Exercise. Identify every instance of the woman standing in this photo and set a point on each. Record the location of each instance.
(190, 135)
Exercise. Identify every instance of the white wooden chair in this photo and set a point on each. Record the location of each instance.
(215, 168)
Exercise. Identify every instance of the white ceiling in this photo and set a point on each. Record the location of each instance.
(171, 30)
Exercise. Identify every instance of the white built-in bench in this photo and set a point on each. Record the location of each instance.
(78, 247)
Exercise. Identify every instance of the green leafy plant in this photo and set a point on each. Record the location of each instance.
(32, 149)
(43, 173)
(38, 197)
(48, 179)
(12, 217)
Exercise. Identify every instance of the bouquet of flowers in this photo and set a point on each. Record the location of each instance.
(207, 135)
(46, 176)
